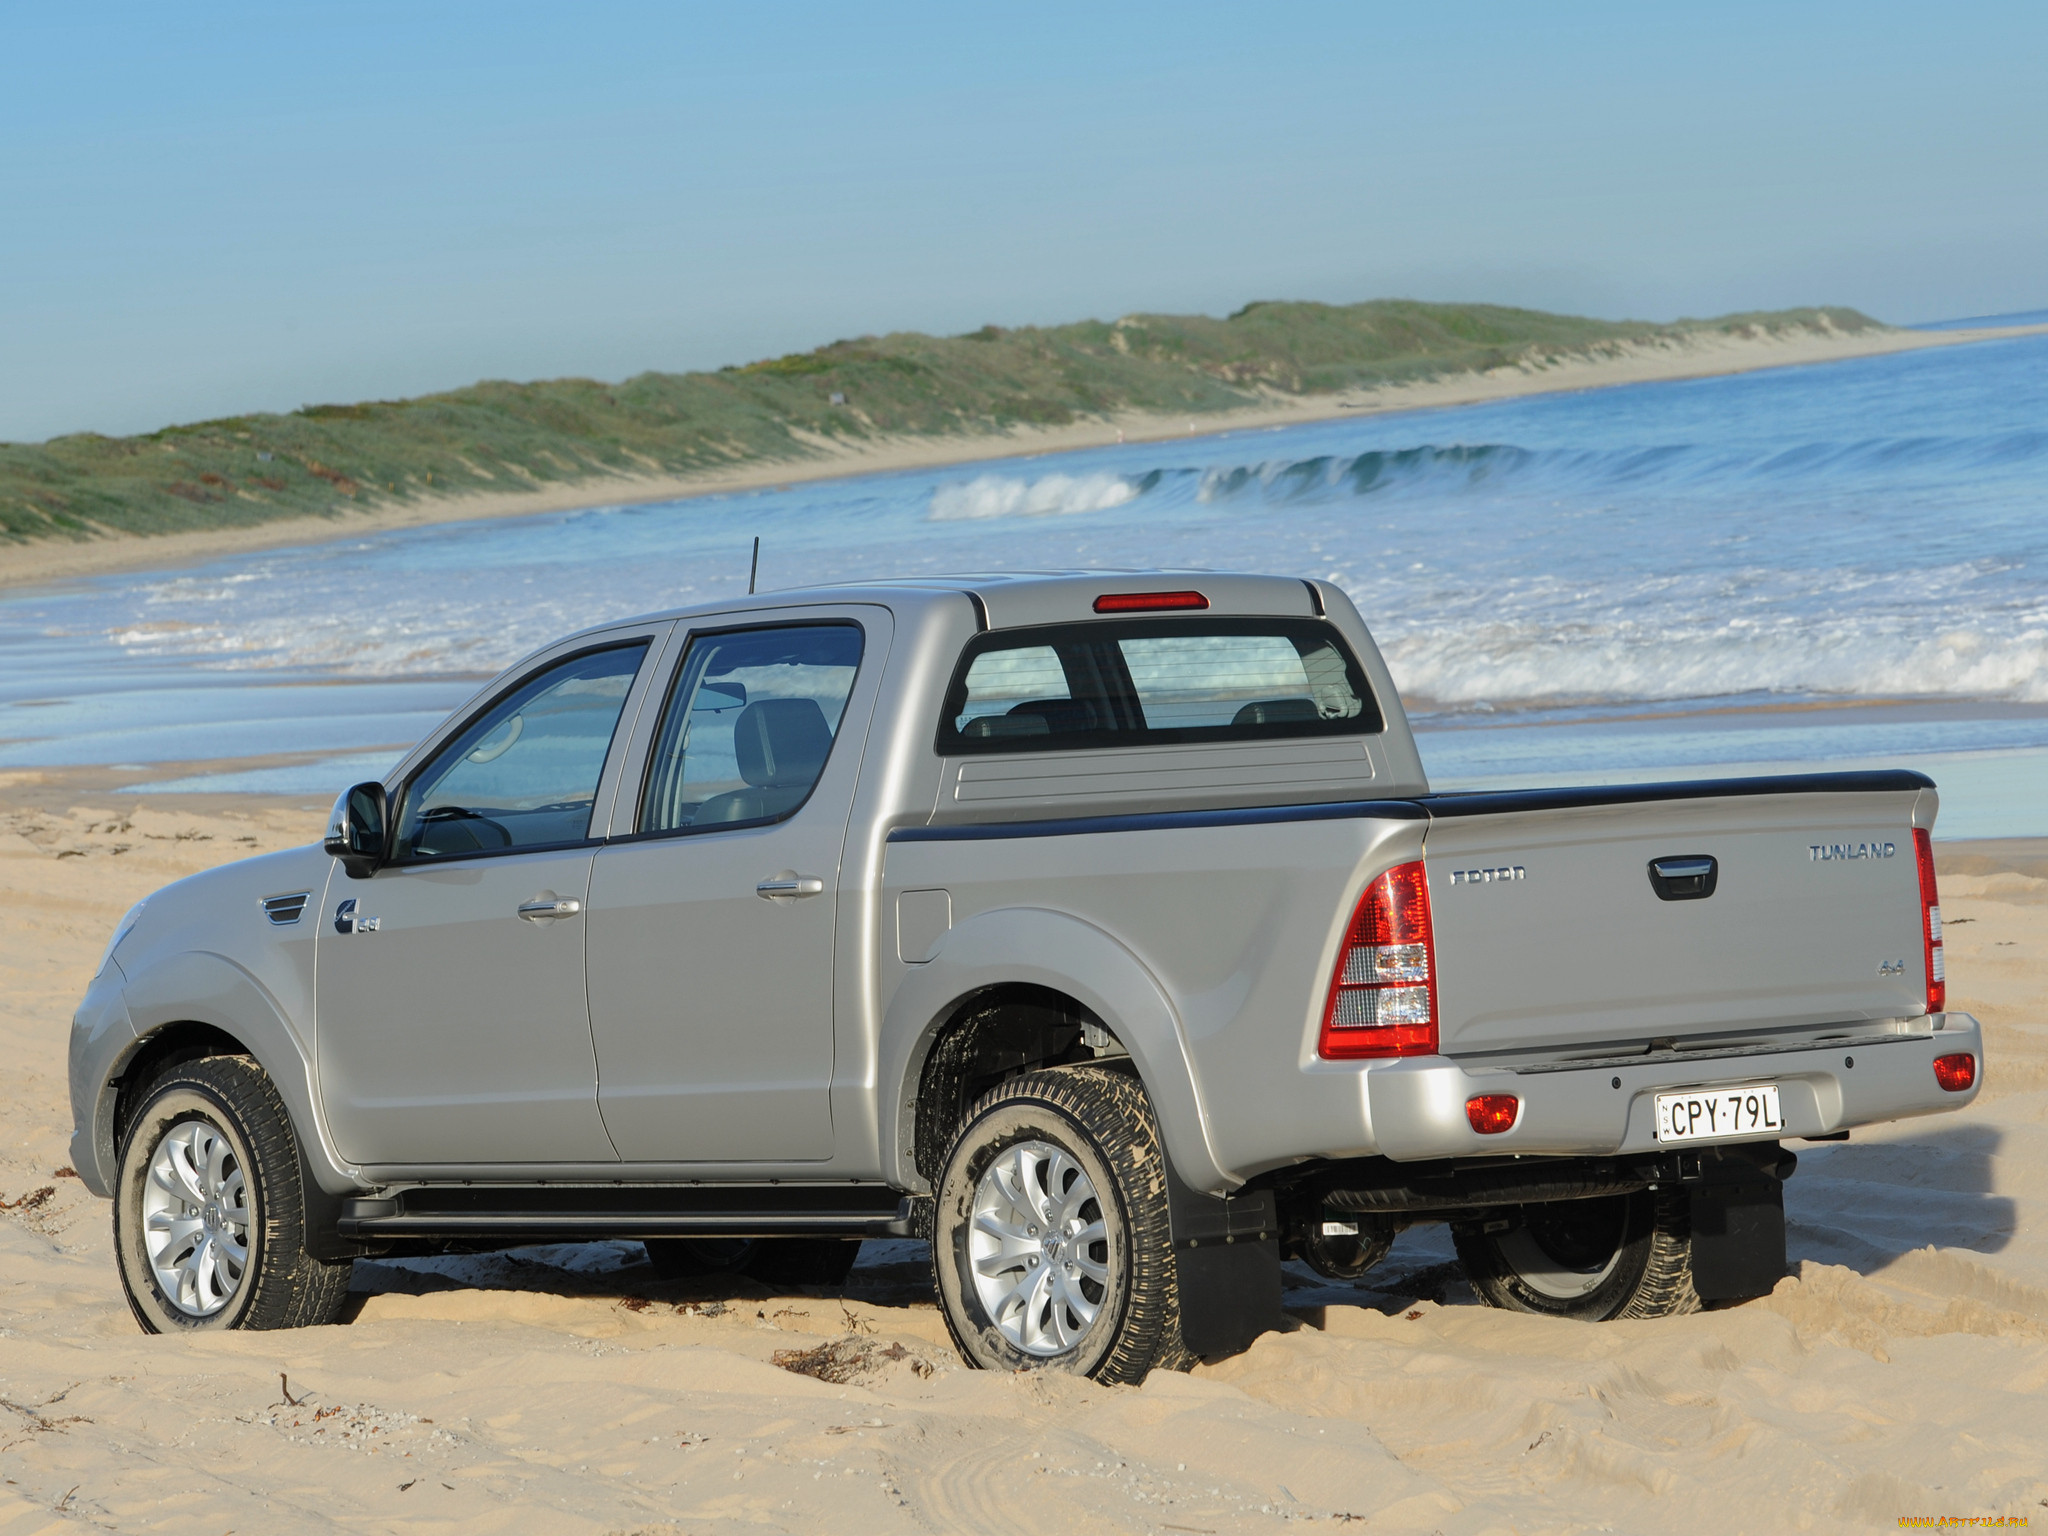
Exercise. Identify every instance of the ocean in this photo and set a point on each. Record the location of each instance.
(1840, 564)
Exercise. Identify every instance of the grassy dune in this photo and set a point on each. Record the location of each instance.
(326, 460)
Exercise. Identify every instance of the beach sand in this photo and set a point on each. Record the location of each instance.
(1900, 1371)
(1694, 357)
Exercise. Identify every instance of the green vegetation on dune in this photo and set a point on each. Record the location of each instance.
(329, 459)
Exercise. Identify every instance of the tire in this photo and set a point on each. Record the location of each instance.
(221, 1122)
(1101, 1299)
(772, 1260)
(1618, 1256)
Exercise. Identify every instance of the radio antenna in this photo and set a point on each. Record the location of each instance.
(754, 569)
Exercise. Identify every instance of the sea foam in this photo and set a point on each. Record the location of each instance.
(1056, 495)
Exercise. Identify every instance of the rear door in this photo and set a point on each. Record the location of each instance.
(713, 910)
(1552, 933)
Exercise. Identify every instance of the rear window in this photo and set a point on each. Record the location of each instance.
(1139, 682)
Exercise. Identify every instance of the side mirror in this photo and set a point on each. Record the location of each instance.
(358, 833)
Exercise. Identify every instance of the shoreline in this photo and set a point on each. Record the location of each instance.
(1966, 778)
(45, 560)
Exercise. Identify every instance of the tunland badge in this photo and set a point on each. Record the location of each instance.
(1825, 853)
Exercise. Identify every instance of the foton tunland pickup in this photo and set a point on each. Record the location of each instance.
(1101, 929)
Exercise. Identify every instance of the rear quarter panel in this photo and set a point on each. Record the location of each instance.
(1235, 924)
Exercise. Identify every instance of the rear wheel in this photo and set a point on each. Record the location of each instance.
(1050, 1239)
(209, 1209)
(1613, 1257)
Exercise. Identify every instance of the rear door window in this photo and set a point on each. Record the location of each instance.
(1145, 681)
(749, 724)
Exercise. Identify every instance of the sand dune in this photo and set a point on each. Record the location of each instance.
(1632, 362)
(1900, 1372)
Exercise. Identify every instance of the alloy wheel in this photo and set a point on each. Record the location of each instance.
(1039, 1247)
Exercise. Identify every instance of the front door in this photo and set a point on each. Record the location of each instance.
(712, 919)
(453, 1025)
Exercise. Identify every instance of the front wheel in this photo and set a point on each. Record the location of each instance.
(1593, 1260)
(1050, 1241)
(209, 1210)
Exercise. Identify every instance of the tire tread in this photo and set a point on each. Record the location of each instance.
(1662, 1288)
(1111, 1108)
(291, 1288)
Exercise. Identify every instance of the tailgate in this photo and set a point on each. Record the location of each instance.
(1551, 934)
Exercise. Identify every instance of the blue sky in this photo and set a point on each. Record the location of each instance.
(210, 208)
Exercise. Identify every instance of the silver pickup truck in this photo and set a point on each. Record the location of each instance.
(1101, 929)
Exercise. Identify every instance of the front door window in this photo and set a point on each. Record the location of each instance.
(524, 774)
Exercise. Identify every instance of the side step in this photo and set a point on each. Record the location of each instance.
(586, 1212)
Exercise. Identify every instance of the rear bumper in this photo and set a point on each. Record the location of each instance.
(1598, 1108)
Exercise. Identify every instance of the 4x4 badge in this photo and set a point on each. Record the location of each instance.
(346, 921)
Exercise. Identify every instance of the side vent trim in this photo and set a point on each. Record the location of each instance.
(286, 910)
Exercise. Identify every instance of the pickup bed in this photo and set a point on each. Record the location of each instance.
(1101, 929)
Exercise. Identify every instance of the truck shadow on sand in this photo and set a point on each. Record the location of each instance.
(1866, 1205)
(890, 1274)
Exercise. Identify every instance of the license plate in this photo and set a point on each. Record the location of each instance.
(1709, 1114)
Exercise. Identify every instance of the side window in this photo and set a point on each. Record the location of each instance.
(749, 724)
(524, 774)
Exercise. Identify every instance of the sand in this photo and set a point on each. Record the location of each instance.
(1627, 363)
(1902, 1371)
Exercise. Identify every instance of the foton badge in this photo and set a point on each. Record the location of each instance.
(1505, 874)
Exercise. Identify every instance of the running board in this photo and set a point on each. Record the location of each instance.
(587, 1212)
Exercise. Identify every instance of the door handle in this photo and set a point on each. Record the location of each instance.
(786, 887)
(542, 908)
(1684, 876)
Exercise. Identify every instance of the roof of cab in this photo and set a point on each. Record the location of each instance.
(1012, 599)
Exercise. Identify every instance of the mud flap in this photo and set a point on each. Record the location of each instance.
(322, 1215)
(1738, 1228)
(1226, 1253)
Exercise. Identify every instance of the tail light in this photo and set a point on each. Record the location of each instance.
(1956, 1073)
(1492, 1113)
(1383, 995)
(1930, 923)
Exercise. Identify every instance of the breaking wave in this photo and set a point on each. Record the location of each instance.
(994, 496)
(1458, 468)
(1520, 664)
